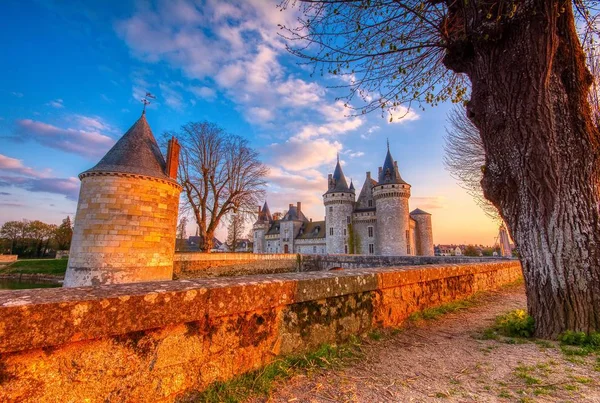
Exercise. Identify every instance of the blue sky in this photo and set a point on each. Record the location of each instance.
(71, 80)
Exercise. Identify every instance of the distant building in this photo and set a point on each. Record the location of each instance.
(377, 223)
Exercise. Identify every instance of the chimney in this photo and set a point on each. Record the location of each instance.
(396, 164)
(291, 205)
(172, 158)
(369, 175)
(311, 220)
(258, 210)
(299, 207)
(329, 181)
(380, 169)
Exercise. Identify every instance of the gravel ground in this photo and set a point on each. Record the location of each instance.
(446, 360)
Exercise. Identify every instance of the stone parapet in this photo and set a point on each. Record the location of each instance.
(158, 341)
(229, 264)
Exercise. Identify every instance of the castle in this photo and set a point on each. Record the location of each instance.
(377, 223)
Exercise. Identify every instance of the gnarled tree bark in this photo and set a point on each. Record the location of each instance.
(529, 101)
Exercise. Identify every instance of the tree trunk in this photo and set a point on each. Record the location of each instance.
(529, 101)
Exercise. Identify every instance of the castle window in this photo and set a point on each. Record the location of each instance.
(331, 231)
(371, 249)
(370, 203)
(347, 219)
(314, 249)
(408, 249)
(370, 230)
(345, 232)
(331, 209)
(346, 249)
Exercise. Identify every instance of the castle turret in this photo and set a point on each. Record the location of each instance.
(339, 204)
(424, 232)
(260, 228)
(391, 196)
(127, 214)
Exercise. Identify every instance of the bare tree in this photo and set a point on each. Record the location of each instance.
(465, 158)
(529, 99)
(235, 231)
(220, 174)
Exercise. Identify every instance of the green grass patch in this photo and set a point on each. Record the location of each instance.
(579, 343)
(515, 324)
(436, 312)
(261, 382)
(55, 267)
(524, 373)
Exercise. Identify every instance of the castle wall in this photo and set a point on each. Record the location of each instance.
(424, 234)
(158, 342)
(338, 206)
(361, 221)
(310, 246)
(259, 238)
(124, 230)
(392, 219)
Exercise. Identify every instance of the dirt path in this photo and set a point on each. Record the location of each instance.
(446, 360)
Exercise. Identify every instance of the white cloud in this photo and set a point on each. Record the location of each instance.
(369, 132)
(89, 143)
(171, 97)
(13, 165)
(298, 155)
(57, 103)
(402, 114)
(17, 94)
(205, 93)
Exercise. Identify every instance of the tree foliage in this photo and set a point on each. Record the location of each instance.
(465, 158)
(220, 174)
(35, 238)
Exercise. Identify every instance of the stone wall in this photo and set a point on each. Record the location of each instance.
(124, 230)
(159, 341)
(8, 258)
(232, 264)
(328, 262)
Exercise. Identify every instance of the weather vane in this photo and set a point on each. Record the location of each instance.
(146, 101)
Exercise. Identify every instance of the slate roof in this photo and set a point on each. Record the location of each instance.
(312, 230)
(339, 183)
(265, 214)
(418, 211)
(274, 228)
(389, 172)
(135, 153)
(294, 215)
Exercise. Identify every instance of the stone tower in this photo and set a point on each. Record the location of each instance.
(391, 196)
(126, 219)
(339, 205)
(260, 228)
(424, 233)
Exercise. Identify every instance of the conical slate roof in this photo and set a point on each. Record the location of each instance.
(135, 153)
(390, 173)
(339, 180)
(265, 213)
(418, 211)
(351, 185)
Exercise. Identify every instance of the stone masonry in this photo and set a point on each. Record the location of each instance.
(126, 217)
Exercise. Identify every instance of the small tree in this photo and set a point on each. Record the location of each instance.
(220, 174)
(235, 231)
(13, 231)
(63, 234)
(471, 250)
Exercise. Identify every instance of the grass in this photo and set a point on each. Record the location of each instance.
(55, 267)
(262, 381)
(515, 325)
(436, 312)
(579, 344)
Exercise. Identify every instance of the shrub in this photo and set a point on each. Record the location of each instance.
(515, 323)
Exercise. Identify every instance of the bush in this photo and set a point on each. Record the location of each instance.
(581, 339)
(515, 323)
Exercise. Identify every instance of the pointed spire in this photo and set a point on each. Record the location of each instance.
(351, 184)
(388, 144)
(136, 153)
(390, 173)
(265, 214)
(338, 183)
